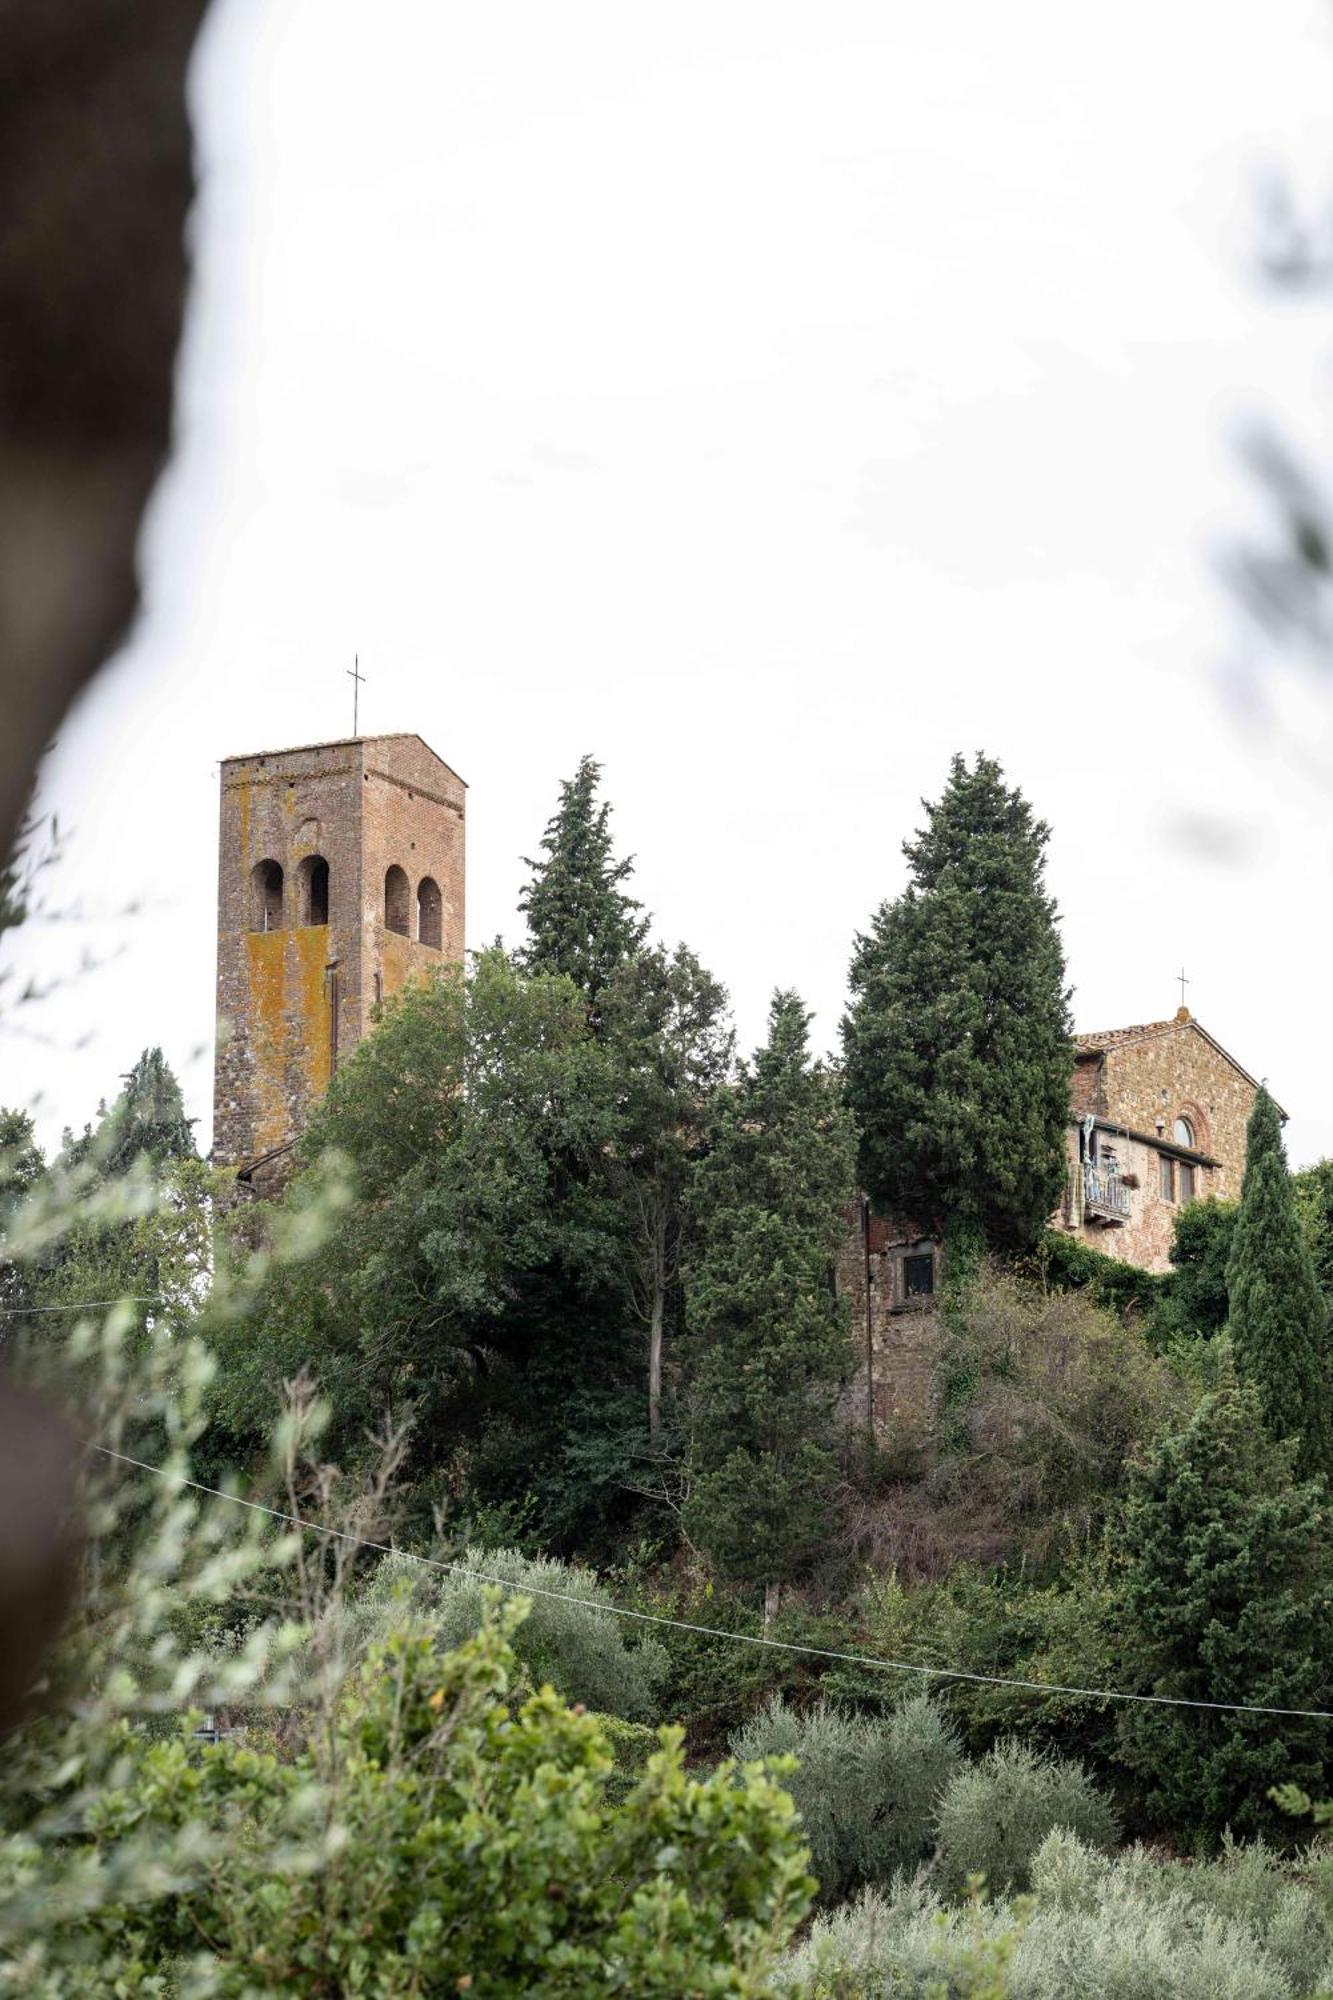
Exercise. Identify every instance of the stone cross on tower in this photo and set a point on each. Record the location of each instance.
(356, 677)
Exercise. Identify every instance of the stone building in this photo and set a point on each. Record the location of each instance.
(340, 875)
(1157, 1118)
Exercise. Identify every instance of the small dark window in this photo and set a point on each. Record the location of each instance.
(1167, 1169)
(1186, 1181)
(313, 876)
(919, 1275)
(266, 881)
(397, 901)
(430, 911)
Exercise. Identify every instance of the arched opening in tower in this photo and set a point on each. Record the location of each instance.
(430, 912)
(397, 902)
(313, 877)
(266, 896)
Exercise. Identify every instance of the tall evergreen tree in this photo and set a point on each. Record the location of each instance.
(769, 1339)
(147, 1120)
(667, 1029)
(957, 1039)
(1277, 1317)
(581, 922)
(1228, 1598)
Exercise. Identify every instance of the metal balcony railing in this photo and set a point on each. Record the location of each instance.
(1104, 1194)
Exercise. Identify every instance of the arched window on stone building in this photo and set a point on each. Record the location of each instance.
(430, 912)
(1183, 1133)
(266, 896)
(313, 881)
(397, 902)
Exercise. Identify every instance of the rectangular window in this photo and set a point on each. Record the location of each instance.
(1168, 1171)
(919, 1276)
(1186, 1181)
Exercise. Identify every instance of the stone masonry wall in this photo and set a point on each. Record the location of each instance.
(897, 1335)
(1169, 1072)
(295, 996)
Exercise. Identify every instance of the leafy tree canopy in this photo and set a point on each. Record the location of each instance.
(476, 1277)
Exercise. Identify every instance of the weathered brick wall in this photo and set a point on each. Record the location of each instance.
(413, 818)
(293, 999)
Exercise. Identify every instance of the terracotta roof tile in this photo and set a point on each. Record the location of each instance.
(1085, 1044)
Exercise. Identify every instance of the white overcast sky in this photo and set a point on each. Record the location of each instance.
(769, 399)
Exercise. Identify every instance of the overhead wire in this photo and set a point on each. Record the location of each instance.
(716, 1631)
(85, 1305)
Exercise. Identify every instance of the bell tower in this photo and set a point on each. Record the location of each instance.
(340, 877)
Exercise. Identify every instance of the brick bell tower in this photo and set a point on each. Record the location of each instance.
(340, 877)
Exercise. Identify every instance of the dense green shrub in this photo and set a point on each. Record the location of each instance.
(867, 1786)
(440, 1842)
(1193, 1302)
(570, 1638)
(996, 1813)
(1042, 1397)
(1067, 1264)
(1129, 1928)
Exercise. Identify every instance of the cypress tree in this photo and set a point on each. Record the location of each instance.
(1228, 1598)
(957, 1040)
(770, 1340)
(580, 920)
(1277, 1318)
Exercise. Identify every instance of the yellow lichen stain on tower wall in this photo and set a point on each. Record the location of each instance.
(314, 1045)
(265, 952)
(397, 961)
(290, 1021)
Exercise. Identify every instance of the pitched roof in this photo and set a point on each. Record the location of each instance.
(1087, 1045)
(1114, 1038)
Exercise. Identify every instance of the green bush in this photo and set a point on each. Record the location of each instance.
(995, 1814)
(440, 1842)
(1129, 1928)
(867, 1787)
(1041, 1399)
(570, 1639)
(1067, 1264)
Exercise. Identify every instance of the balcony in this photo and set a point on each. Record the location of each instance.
(1105, 1196)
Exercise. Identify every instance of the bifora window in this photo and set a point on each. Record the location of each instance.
(919, 1275)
